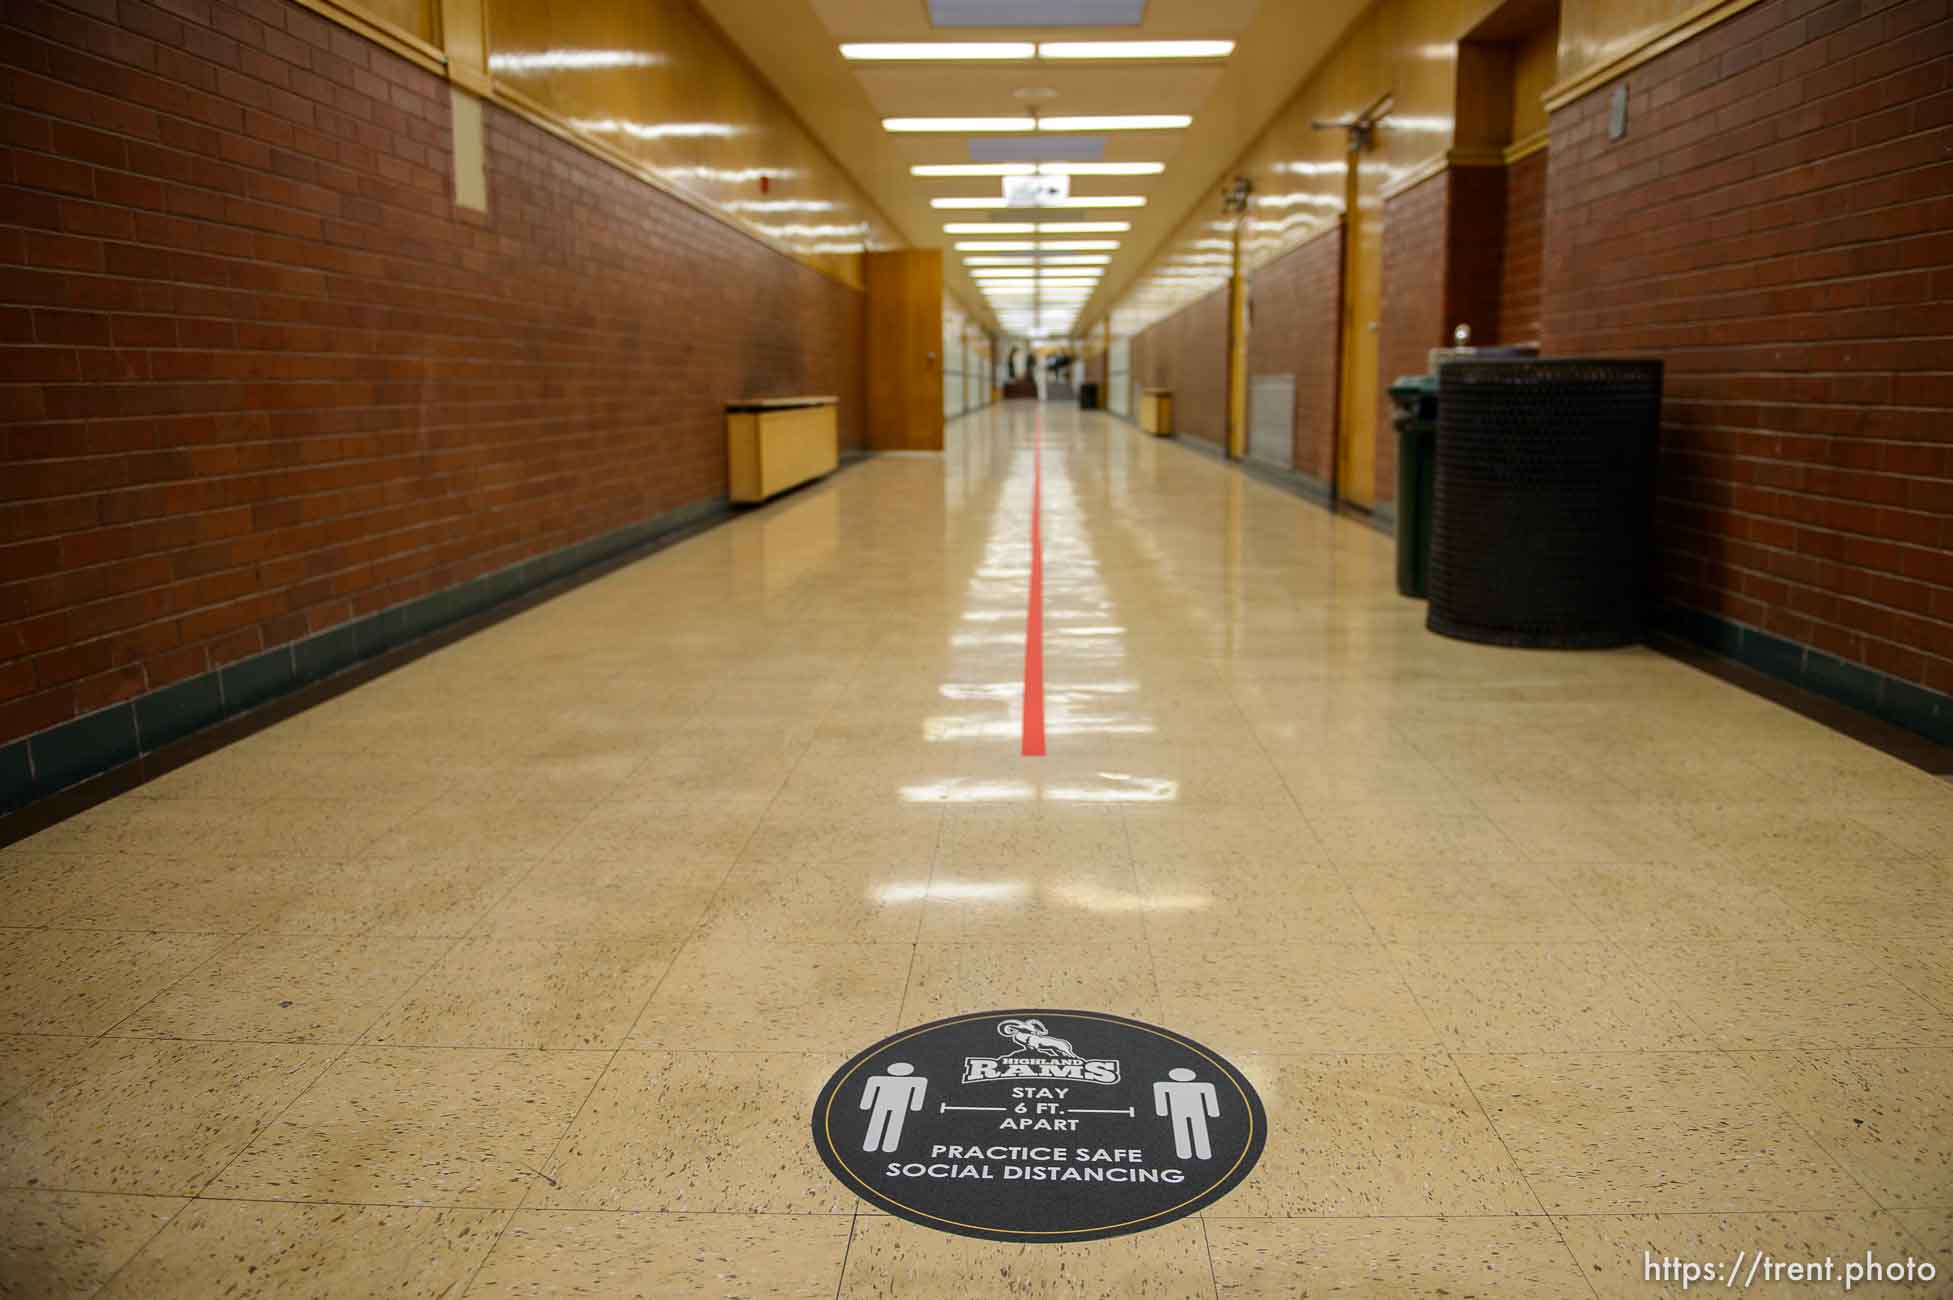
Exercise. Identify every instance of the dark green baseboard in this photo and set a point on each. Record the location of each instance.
(49, 761)
(1867, 690)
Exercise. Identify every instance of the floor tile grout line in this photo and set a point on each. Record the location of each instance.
(623, 1042)
(256, 1134)
(236, 941)
(1817, 1143)
(841, 1276)
(1519, 1169)
(922, 916)
(1159, 1002)
(147, 1242)
(1434, 1216)
(550, 1162)
(1213, 1266)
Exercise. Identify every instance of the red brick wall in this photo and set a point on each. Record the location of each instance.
(1778, 227)
(1411, 317)
(258, 376)
(1522, 255)
(1296, 329)
(1187, 352)
(1475, 217)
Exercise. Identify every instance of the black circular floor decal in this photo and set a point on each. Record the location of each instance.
(1039, 1125)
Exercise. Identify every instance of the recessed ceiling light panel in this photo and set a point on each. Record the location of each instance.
(1101, 168)
(955, 125)
(1120, 122)
(937, 51)
(1135, 49)
(973, 169)
(1075, 201)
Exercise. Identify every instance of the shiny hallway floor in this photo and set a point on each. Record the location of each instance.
(515, 972)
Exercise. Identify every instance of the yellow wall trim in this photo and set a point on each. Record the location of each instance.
(1685, 26)
(1450, 158)
(1416, 176)
(1527, 147)
(381, 32)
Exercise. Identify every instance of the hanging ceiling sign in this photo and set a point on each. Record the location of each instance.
(1039, 1125)
(1036, 191)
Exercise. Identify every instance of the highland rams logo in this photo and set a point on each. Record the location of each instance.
(1039, 1054)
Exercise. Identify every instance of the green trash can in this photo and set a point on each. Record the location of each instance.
(1416, 421)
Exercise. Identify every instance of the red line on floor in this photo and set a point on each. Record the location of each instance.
(1034, 616)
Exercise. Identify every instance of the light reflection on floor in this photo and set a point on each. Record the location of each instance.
(515, 972)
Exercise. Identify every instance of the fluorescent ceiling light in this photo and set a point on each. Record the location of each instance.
(1085, 259)
(1075, 201)
(1128, 122)
(953, 125)
(994, 246)
(999, 261)
(1006, 272)
(1000, 125)
(979, 169)
(1084, 227)
(990, 228)
(1135, 49)
(1101, 168)
(1077, 245)
(933, 50)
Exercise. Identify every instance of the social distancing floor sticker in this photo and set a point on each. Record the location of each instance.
(1039, 1125)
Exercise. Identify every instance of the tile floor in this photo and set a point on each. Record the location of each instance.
(515, 973)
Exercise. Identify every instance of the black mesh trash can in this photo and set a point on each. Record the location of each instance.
(1088, 396)
(1542, 501)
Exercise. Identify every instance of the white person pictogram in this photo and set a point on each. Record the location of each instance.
(891, 1097)
(1187, 1106)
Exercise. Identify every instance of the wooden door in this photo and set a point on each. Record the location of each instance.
(1356, 442)
(905, 339)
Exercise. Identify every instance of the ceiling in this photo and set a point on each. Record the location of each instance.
(795, 44)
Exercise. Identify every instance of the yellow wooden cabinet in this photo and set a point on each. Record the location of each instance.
(1156, 411)
(776, 443)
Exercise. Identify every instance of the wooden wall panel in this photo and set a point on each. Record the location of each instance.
(904, 349)
(415, 17)
(1535, 67)
(654, 83)
(1596, 32)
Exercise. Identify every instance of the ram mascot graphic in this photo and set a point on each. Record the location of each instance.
(1032, 1038)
